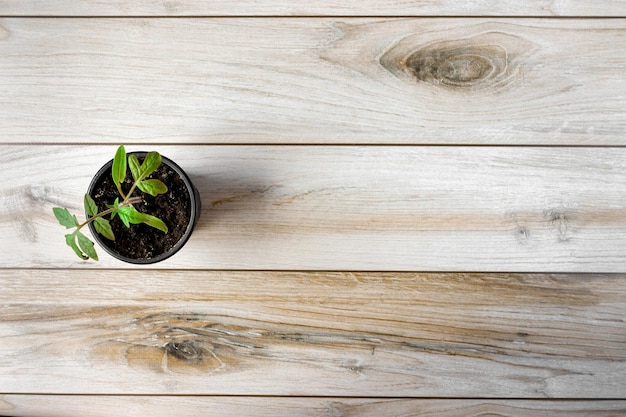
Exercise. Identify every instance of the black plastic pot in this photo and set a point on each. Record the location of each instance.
(194, 204)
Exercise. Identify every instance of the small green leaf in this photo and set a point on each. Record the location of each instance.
(129, 215)
(153, 187)
(71, 242)
(154, 222)
(118, 171)
(135, 167)
(104, 228)
(125, 213)
(65, 218)
(134, 216)
(90, 206)
(87, 246)
(150, 163)
(116, 206)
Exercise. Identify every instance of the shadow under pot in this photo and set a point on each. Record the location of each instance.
(179, 208)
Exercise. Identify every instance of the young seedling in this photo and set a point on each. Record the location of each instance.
(124, 209)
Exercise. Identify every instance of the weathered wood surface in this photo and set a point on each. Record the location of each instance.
(350, 208)
(194, 406)
(320, 334)
(323, 80)
(247, 319)
(255, 8)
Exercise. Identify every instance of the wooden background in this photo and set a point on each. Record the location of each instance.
(410, 208)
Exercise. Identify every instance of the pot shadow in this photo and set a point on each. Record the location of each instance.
(232, 197)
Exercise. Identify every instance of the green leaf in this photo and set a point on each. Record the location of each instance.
(65, 218)
(135, 217)
(129, 215)
(116, 206)
(87, 246)
(150, 163)
(118, 171)
(153, 187)
(135, 167)
(71, 242)
(154, 222)
(90, 206)
(125, 213)
(104, 228)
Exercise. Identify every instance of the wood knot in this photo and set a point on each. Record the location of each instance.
(483, 61)
(186, 351)
(459, 67)
(560, 220)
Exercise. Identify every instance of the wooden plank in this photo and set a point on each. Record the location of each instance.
(312, 334)
(349, 208)
(324, 80)
(193, 406)
(317, 8)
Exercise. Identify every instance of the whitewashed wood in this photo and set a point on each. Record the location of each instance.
(319, 7)
(320, 334)
(349, 208)
(193, 406)
(324, 80)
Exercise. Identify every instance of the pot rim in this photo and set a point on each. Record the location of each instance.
(194, 199)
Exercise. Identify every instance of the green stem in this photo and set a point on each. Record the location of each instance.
(119, 190)
(132, 189)
(127, 202)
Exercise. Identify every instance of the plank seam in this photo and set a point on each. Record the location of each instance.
(269, 16)
(321, 144)
(313, 271)
(537, 399)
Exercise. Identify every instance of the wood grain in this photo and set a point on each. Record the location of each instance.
(97, 406)
(349, 208)
(320, 334)
(250, 319)
(255, 8)
(323, 80)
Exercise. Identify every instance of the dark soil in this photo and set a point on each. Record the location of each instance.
(141, 241)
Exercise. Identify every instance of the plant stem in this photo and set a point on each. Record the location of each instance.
(126, 202)
(119, 190)
(132, 189)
